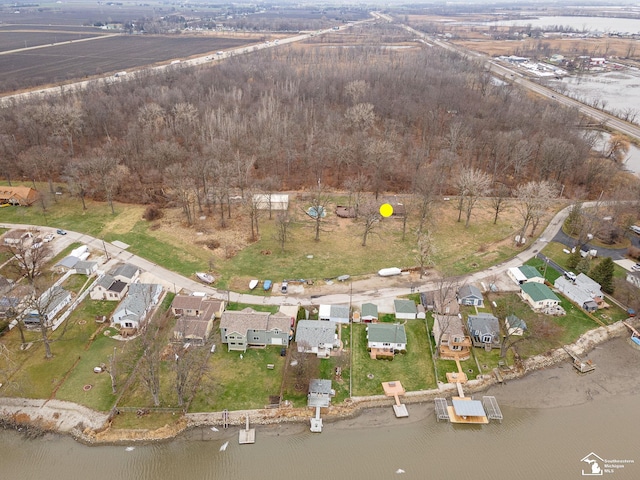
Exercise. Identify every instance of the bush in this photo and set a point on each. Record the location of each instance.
(152, 212)
(634, 252)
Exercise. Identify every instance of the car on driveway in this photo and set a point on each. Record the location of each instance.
(61, 232)
(284, 288)
(48, 237)
(570, 276)
(636, 267)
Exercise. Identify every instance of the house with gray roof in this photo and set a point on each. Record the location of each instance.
(450, 337)
(589, 285)
(86, 267)
(387, 337)
(484, 330)
(126, 272)
(318, 337)
(66, 264)
(405, 309)
(248, 328)
(49, 305)
(334, 313)
(133, 311)
(470, 295)
(108, 288)
(369, 312)
(576, 294)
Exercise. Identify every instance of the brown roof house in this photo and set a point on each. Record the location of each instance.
(196, 326)
(248, 328)
(23, 196)
(108, 288)
(450, 337)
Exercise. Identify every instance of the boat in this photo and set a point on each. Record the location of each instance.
(388, 272)
(253, 284)
(205, 277)
(267, 285)
(343, 278)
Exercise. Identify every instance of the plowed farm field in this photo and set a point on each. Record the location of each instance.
(79, 60)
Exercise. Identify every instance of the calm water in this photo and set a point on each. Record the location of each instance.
(593, 24)
(529, 444)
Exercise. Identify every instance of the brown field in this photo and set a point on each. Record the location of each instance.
(21, 38)
(83, 59)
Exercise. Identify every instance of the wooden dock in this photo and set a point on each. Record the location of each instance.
(248, 435)
(395, 389)
(582, 366)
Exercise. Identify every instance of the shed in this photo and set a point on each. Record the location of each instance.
(334, 313)
(405, 309)
(271, 201)
(515, 325)
(85, 267)
(320, 393)
(369, 312)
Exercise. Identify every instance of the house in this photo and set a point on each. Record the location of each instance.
(484, 330)
(66, 264)
(405, 309)
(320, 393)
(369, 312)
(593, 288)
(451, 340)
(10, 303)
(313, 336)
(196, 328)
(108, 288)
(132, 312)
(634, 278)
(16, 237)
(23, 196)
(445, 302)
(85, 267)
(271, 201)
(538, 295)
(470, 295)
(126, 272)
(248, 328)
(386, 339)
(427, 299)
(576, 294)
(49, 305)
(514, 325)
(524, 274)
(334, 313)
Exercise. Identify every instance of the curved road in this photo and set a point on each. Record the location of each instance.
(179, 282)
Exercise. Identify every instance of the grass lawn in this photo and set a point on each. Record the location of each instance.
(413, 369)
(237, 384)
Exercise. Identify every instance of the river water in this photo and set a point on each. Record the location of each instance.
(592, 24)
(529, 444)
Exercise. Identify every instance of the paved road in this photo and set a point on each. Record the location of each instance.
(177, 282)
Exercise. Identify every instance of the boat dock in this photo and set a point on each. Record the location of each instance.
(395, 389)
(582, 366)
(492, 408)
(248, 435)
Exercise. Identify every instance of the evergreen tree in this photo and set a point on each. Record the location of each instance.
(603, 274)
(574, 258)
(584, 265)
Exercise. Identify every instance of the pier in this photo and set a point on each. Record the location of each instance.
(395, 389)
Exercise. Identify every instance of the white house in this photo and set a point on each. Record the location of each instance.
(576, 294)
(50, 304)
(369, 312)
(334, 313)
(387, 336)
(126, 272)
(538, 295)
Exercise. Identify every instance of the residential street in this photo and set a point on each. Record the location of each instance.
(380, 290)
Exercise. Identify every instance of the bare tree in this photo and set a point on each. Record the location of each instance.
(149, 364)
(318, 209)
(28, 259)
(356, 186)
(113, 372)
(282, 234)
(533, 198)
(41, 308)
(498, 200)
(370, 220)
(253, 204)
(472, 184)
(183, 188)
(189, 363)
(426, 251)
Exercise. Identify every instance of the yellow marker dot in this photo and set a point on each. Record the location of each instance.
(386, 210)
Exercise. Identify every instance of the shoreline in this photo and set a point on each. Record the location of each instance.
(545, 381)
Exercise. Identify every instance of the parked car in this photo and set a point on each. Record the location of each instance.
(285, 286)
(636, 267)
(635, 229)
(61, 232)
(570, 276)
(48, 237)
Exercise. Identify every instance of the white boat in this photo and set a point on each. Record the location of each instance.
(205, 277)
(389, 272)
(253, 284)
